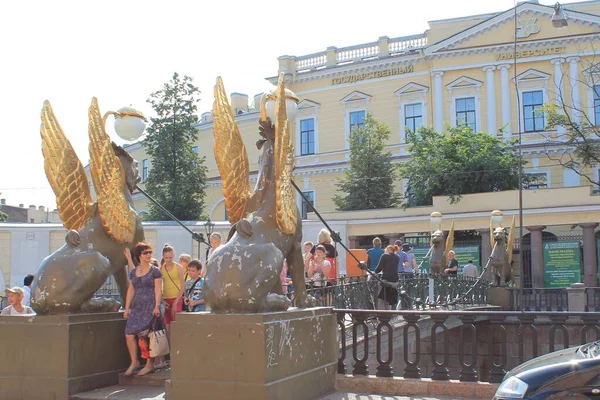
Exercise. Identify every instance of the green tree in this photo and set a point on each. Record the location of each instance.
(457, 163)
(178, 176)
(577, 145)
(3, 215)
(369, 182)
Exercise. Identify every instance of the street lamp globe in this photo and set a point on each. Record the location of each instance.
(497, 217)
(291, 104)
(559, 19)
(129, 123)
(435, 220)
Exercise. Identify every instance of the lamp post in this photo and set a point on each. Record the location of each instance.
(209, 226)
(129, 123)
(496, 219)
(435, 221)
(559, 20)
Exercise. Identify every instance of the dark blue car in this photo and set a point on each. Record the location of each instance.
(572, 373)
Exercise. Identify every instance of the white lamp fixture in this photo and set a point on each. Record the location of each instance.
(497, 217)
(435, 220)
(291, 104)
(129, 123)
(559, 19)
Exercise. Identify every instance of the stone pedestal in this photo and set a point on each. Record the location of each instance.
(53, 357)
(577, 299)
(499, 296)
(282, 355)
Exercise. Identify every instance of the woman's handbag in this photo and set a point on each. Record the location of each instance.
(159, 344)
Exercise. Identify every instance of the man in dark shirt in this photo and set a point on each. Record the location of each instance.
(452, 264)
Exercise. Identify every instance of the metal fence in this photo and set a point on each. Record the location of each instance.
(539, 299)
(464, 345)
(415, 292)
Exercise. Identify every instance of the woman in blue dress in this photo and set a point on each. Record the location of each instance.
(142, 302)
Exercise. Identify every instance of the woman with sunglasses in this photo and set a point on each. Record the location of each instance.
(142, 303)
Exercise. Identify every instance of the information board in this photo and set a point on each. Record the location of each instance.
(562, 264)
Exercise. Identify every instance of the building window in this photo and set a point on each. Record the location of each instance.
(537, 180)
(413, 117)
(597, 104)
(305, 207)
(357, 119)
(465, 113)
(533, 118)
(307, 136)
(144, 170)
(196, 149)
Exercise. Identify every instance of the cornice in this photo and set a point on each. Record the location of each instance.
(378, 64)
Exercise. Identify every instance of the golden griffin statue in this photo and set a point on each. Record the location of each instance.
(502, 251)
(98, 232)
(439, 247)
(243, 274)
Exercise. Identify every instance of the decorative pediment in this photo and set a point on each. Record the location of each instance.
(464, 82)
(411, 88)
(356, 96)
(532, 75)
(533, 23)
(308, 105)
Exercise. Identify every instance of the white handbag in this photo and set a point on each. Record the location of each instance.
(159, 344)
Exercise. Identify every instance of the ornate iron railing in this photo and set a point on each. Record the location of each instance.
(361, 292)
(539, 299)
(464, 345)
(592, 295)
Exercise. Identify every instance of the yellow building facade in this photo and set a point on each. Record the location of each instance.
(487, 71)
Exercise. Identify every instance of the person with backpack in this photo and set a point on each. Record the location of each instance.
(193, 298)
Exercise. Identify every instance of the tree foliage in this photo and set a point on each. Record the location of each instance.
(457, 163)
(3, 215)
(369, 182)
(178, 176)
(579, 141)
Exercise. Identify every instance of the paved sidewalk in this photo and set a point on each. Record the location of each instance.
(364, 396)
(123, 392)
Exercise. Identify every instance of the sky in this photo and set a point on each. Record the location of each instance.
(121, 51)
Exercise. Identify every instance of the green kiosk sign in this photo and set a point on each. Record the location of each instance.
(463, 254)
(466, 253)
(562, 264)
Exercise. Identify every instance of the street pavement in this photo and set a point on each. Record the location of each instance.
(359, 396)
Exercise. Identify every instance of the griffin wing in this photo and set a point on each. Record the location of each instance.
(65, 173)
(231, 156)
(511, 240)
(108, 175)
(286, 210)
(492, 240)
(449, 241)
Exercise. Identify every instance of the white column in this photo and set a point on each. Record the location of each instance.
(490, 90)
(438, 101)
(559, 88)
(505, 92)
(574, 82)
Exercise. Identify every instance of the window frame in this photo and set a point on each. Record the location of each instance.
(145, 170)
(539, 172)
(302, 202)
(474, 111)
(405, 117)
(300, 137)
(522, 94)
